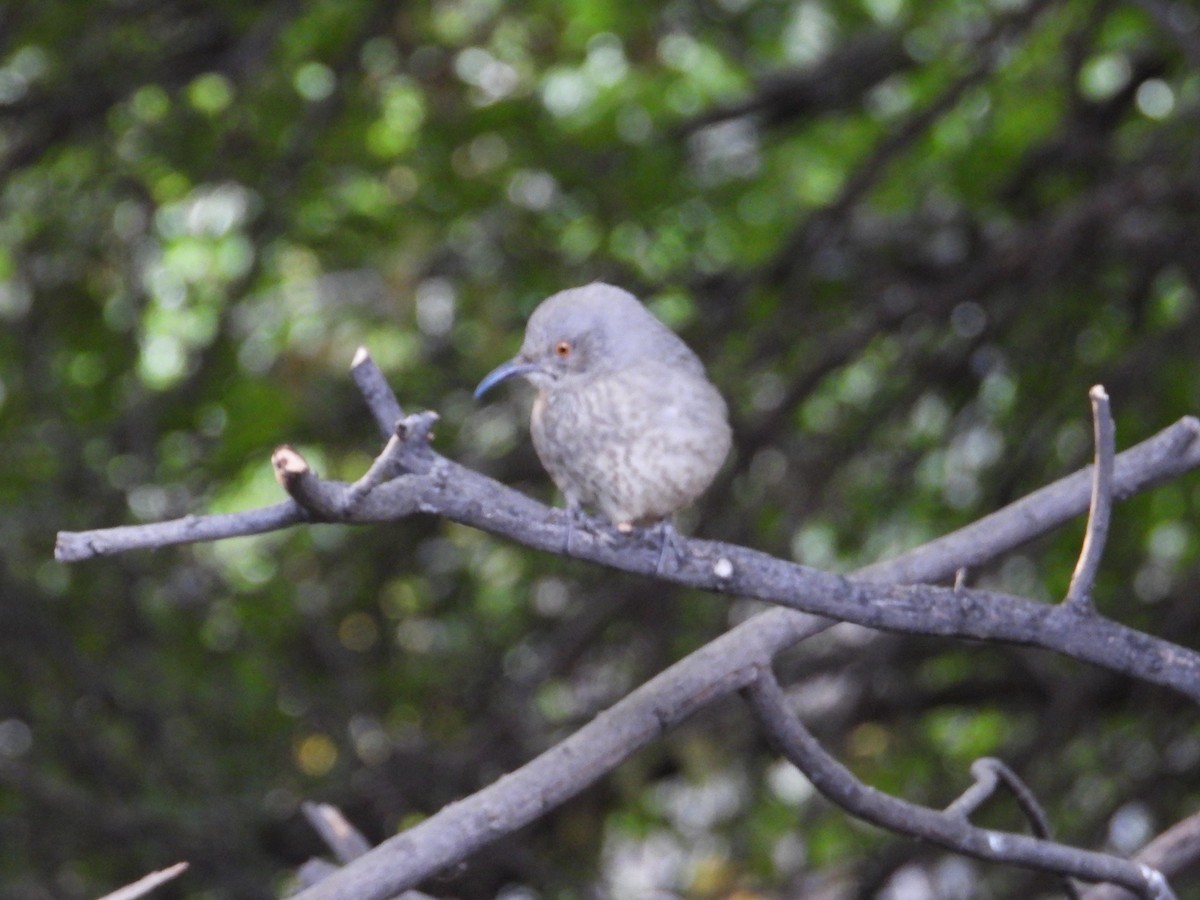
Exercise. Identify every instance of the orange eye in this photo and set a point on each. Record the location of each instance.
(562, 348)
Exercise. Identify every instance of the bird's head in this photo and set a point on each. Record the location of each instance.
(582, 332)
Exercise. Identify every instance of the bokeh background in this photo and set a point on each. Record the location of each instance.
(905, 236)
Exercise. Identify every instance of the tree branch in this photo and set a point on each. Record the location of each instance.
(992, 773)
(947, 829)
(339, 835)
(376, 391)
(144, 886)
(73, 546)
(520, 797)
(433, 484)
(1171, 852)
(346, 842)
(1079, 594)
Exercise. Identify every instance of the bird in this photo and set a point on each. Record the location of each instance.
(625, 420)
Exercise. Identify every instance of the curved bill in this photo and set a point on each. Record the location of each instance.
(503, 372)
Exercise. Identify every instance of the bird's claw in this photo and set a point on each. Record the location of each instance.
(575, 518)
(667, 535)
(622, 532)
(572, 514)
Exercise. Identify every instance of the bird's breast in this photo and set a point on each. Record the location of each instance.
(638, 443)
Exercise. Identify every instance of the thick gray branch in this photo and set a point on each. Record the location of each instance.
(462, 495)
(520, 797)
(442, 487)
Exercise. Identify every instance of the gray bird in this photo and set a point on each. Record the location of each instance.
(625, 419)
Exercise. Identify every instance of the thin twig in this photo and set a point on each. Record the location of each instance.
(1079, 594)
(1172, 852)
(73, 546)
(388, 414)
(145, 885)
(386, 466)
(954, 832)
(346, 842)
(376, 391)
(338, 834)
(990, 773)
(1166, 455)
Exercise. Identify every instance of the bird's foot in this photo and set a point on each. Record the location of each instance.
(667, 541)
(573, 513)
(578, 519)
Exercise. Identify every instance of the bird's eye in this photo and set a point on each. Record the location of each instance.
(562, 348)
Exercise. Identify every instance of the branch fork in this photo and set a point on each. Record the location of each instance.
(948, 828)
(407, 452)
